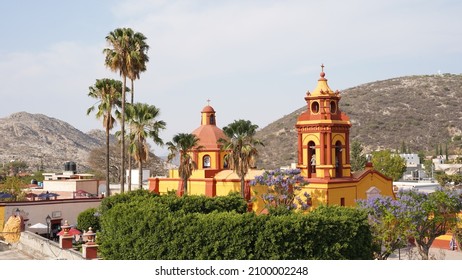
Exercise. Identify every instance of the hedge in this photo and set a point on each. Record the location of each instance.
(187, 203)
(87, 219)
(147, 229)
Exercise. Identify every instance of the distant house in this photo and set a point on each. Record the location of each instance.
(412, 160)
(414, 169)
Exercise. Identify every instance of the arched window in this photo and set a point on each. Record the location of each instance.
(333, 107)
(212, 119)
(311, 159)
(206, 161)
(338, 159)
(315, 107)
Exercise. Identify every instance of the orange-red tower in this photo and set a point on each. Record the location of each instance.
(323, 134)
(324, 152)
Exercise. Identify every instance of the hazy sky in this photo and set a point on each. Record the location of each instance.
(253, 59)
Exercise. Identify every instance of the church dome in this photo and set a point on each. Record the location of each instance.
(208, 136)
(208, 109)
(208, 133)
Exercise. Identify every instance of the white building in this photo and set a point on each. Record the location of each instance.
(136, 178)
(426, 187)
(412, 160)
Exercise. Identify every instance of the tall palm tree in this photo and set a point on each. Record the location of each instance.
(182, 144)
(243, 149)
(139, 58)
(143, 123)
(122, 56)
(109, 94)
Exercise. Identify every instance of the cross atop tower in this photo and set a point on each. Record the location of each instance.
(208, 102)
(322, 67)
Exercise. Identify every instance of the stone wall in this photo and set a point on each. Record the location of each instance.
(41, 248)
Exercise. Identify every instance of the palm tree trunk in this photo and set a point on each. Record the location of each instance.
(185, 186)
(108, 189)
(129, 157)
(107, 162)
(122, 131)
(132, 90)
(243, 187)
(140, 174)
(129, 178)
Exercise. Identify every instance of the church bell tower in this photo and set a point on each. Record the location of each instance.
(323, 135)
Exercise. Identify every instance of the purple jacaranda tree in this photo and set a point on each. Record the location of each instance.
(430, 215)
(423, 216)
(389, 223)
(283, 192)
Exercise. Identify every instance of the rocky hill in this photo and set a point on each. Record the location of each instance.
(421, 111)
(47, 143)
(40, 140)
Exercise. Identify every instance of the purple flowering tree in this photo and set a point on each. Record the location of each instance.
(430, 215)
(283, 190)
(423, 216)
(389, 224)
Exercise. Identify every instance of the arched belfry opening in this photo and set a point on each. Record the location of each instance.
(338, 159)
(311, 159)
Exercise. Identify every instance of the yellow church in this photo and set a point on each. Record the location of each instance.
(323, 158)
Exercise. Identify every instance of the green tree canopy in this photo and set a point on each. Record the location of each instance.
(127, 55)
(242, 145)
(108, 92)
(13, 185)
(182, 145)
(144, 125)
(389, 164)
(357, 159)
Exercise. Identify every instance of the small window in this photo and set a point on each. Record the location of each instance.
(315, 107)
(212, 119)
(206, 161)
(342, 201)
(333, 107)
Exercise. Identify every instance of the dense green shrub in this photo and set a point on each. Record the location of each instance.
(109, 202)
(147, 229)
(326, 233)
(88, 219)
(187, 203)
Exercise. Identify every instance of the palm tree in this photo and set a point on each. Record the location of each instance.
(183, 144)
(243, 149)
(122, 57)
(139, 59)
(108, 92)
(141, 118)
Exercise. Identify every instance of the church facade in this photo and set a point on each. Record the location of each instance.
(323, 157)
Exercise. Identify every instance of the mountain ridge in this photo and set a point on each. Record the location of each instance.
(43, 141)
